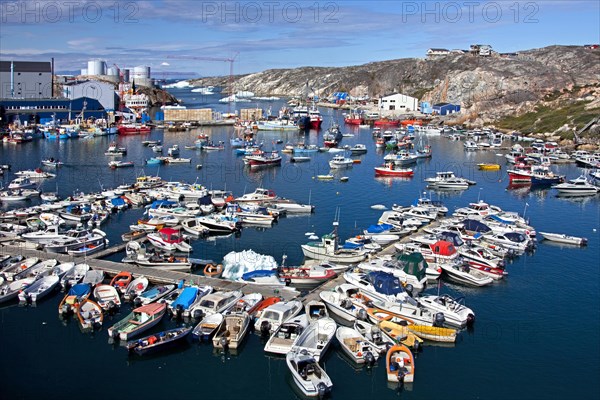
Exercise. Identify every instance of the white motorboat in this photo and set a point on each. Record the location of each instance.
(357, 346)
(317, 337)
(483, 260)
(578, 186)
(421, 213)
(454, 310)
(565, 239)
(173, 150)
(470, 145)
(192, 226)
(373, 334)
(35, 174)
(339, 161)
(343, 302)
(259, 195)
(38, 270)
(22, 182)
(17, 267)
(409, 269)
(107, 297)
(93, 277)
(515, 241)
(38, 289)
(286, 336)
(216, 223)
(275, 315)
(74, 276)
(447, 181)
(83, 241)
(217, 302)
(308, 375)
(464, 274)
(380, 286)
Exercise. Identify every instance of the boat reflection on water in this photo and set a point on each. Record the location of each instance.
(357, 368)
(400, 387)
(390, 180)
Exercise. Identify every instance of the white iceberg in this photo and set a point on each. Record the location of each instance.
(244, 93)
(236, 264)
(178, 85)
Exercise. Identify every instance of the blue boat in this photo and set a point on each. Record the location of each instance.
(154, 161)
(183, 302)
(379, 228)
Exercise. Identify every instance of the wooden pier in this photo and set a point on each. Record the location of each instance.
(154, 275)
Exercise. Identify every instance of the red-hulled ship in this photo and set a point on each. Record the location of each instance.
(521, 173)
(272, 158)
(386, 122)
(315, 118)
(354, 118)
(133, 129)
(391, 169)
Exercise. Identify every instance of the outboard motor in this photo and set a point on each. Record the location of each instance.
(137, 302)
(376, 335)
(179, 311)
(362, 314)
(409, 289)
(322, 389)
(66, 309)
(470, 319)
(401, 374)
(439, 319)
(288, 281)
(369, 358)
(224, 342)
(346, 303)
(265, 327)
(198, 314)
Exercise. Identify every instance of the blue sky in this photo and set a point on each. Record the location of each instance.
(278, 34)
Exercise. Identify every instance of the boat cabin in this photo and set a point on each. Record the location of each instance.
(170, 235)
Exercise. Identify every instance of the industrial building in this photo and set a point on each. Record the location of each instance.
(36, 110)
(445, 108)
(398, 102)
(103, 92)
(25, 80)
(99, 68)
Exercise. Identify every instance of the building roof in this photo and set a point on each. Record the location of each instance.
(26, 66)
(442, 104)
(397, 94)
(439, 50)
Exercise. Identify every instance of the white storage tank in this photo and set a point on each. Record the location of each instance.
(84, 71)
(112, 71)
(141, 72)
(96, 67)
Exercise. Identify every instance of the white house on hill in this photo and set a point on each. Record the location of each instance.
(398, 102)
(437, 52)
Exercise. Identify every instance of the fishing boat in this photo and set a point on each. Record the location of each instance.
(339, 161)
(206, 328)
(400, 364)
(232, 331)
(51, 162)
(22, 182)
(308, 375)
(286, 336)
(317, 337)
(297, 159)
(38, 270)
(564, 239)
(158, 341)
(345, 302)
(356, 346)
(327, 250)
(392, 169)
(107, 297)
(38, 289)
(448, 181)
(89, 314)
(358, 149)
(328, 177)
(139, 320)
(267, 159)
(34, 174)
(169, 239)
(133, 129)
(115, 151)
(306, 277)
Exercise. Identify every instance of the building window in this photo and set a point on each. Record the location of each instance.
(18, 73)
(40, 74)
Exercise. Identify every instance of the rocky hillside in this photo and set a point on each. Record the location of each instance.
(488, 88)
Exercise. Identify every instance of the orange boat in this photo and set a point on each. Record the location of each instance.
(406, 122)
(121, 280)
(400, 364)
(269, 301)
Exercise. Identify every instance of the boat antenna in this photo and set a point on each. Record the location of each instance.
(479, 195)
(309, 196)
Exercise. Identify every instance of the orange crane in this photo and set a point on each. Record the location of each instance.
(230, 60)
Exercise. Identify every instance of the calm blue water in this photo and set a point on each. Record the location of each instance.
(536, 334)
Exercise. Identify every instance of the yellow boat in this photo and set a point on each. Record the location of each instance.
(489, 167)
(433, 333)
(400, 334)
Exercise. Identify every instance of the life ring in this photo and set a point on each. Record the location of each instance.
(213, 270)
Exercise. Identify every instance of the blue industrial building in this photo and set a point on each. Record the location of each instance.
(36, 110)
(445, 108)
(425, 107)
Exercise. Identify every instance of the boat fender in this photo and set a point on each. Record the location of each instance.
(362, 314)
(369, 358)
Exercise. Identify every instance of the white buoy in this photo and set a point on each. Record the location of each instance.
(378, 207)
(313, 237)
(309, 234)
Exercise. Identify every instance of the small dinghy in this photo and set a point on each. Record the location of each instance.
(89, 314)
(158, 341)
(135, 288)
(564, 239)
(107, 297)
(232, 331)
(400, 364)
(139, 320)
(434, 333)
(121, 281)
(76, 295)
(10, 290)
(39, 289)
(207, 327)
(153, 294)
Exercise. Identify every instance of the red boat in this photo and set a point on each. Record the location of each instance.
(413, 122)
(269, 301)
(133, 129)
(330, 143)
(264, 159)
(353, 120)
(386, 122)
(121, 280)
(315, 118)
(306, 276)
(391, 169)
(521, 173)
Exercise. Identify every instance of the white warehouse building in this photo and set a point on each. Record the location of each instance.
(398, 102)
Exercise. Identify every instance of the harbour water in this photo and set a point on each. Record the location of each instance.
(536, 334)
